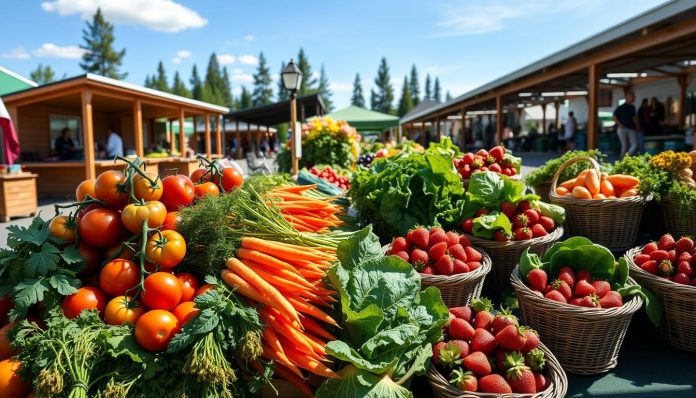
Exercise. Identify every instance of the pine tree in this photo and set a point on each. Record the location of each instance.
(100, 56)
(283, 94)
(179, 88)
(245, 100)
(213, 82)
(448, 96)
(324, 89)
(428, 93)
(357, 99)
(373, 99)
(149, 81)
(159, 81)
(226, 88)
(197, 88)
(414, 86)
(384, 97)
(263, 93)
(406, 101)
(307, 86)
(43, 74)
(436, 90)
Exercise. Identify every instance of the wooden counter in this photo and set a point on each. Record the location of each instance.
(17, 195)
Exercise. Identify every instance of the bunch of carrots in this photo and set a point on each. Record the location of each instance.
(306, 213)
(591, 185)
(285, 280)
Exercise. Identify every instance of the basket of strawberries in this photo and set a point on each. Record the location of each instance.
(496, 160)
(505, 221)
(668, 269)
(581, 301)
(604, 208)
(445, 260)
(522, 365)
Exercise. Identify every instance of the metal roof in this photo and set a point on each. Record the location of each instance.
(648, 18)
(278, 112)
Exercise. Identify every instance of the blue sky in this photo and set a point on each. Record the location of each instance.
(465, 43)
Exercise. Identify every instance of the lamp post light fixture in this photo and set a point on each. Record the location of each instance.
(292, 79)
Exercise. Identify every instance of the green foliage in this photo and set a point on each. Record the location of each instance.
(652, 180)
(216, 89)
(160, 79)
(406, 100)
(245, 99)
(324, 89)
(197, 88)
(282, 93)
(358, 97)
(428, 91)
(382, 100)
(308, 83)
(43, 74)
(414, 86)
(322, 146)
(546, 172)
(100, 56)
(262, 93)
(437, 95)
(179, 87)
(686, 198)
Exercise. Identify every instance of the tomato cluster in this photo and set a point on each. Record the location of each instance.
(330, 175)
(483, 160)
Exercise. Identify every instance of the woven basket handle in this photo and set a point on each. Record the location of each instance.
(568, 162)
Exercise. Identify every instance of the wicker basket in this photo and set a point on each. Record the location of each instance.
(506, 255)
(678, 326)
(558, 383)
(677, 224)
(543, 190)
(585, 340)
(612, 223)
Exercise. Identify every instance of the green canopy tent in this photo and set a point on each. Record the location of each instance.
(365, 120)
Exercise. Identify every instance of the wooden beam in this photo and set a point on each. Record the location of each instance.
(238, 137)
(557, 105)
(182, 132)
(437, 129)
(499, 124)
(543, 119)
(592, 107)
(138, 128)
(218, 135)
(172, 147)
(208, 145)
(683, 81)
(88, 133)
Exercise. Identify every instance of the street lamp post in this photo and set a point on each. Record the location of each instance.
(292, 79)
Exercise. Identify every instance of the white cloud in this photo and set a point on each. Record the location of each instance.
(237, 71)
(226, 59)
(176, 60)
(248, 59)
(50, 50)
(477, 18)
(242, 78)
(161, 15)
(183, 54)
(16, 53)
(338, 87)
(249, 38)
(236, 90)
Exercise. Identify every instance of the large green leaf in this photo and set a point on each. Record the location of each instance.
(570, 243)
(528, 262)
(359, 383)
(341, 350)
(486, 225)
(43, 261)
(359, 247)
(486, 187)
(598, 260)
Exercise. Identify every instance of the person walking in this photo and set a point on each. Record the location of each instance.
(569, 129)
(627, 122)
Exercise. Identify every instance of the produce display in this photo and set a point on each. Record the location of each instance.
(669, 259)
(588, 184)
(544, 174)
(436, 252)
(496, 160)
(327, 173)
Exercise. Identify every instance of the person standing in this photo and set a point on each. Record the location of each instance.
(64, 145)
(569, 129)
(627, 123)
(643, 122)
(656, 115)
(114, 144)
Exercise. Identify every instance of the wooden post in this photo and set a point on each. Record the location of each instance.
(258, 138)
(293, 124)
(683, 81)
(172, 147)
(437, 129)
(543, 119)
(88, 134)
(208, 148)
(592, 104)
(557, 105)
(462, 133)
(499, 124)
(218, 135)
(138, 128)
(182, 133)
(238, 137)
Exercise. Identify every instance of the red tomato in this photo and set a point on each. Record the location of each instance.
(185, 311)
(62, 228)
(109, 188)
(161, 291)
(198, 176)
(206, 189)
(85, 188)
(166, 248)
(91, 256)
(231, 179)
(155, 329)
(86, 298)
(6, 350)
(178, 192)
(146, 190)
(133, 215)
(171, 221)
(119, 276)
(5, 307)
(115, 252)
(189, 285)
(11, 383)
(204, 289)
(123, 309)
(100, 227)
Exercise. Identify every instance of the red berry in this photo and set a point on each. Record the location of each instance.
(666, 242)
(452, 238)
(428, 270)
(464, 241)
(583, 288)
(468, 225)
(403, 255)
(419, 258)
(462, 312)
(477, 362)
(472, 254)
(601, 288)
(563, 288)
(501, 236)
(686, 268)
(649, 266)
(649, 248)
(684, 244)
(419, 236)
(555, 295)
(473, 265)
(547, 223)
(445, 265)
(458, 252)
(460, 267)
(641, 258)
(682, 279)
(537, 279)
(524, 205)
(532, 216)
(523, 233)
(520, 220)
(566, 274)
(508, 208)
(483, 341)
(437, 250)
(538, 230)
(611, 299)
(482, 212)
(583, 275)
(399, 245)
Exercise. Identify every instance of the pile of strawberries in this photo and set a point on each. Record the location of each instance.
(483, 352)
(330, 175)
(527, 222)
(576, 288)
(670, 259)
(436, 252)
(493, 160)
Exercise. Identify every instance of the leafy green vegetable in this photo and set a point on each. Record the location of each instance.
(486, 225)
(545, 173)
(653, 180)
(489, 190)
(389, 324)
(554, 212)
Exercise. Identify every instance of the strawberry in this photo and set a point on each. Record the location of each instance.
(468, 158)
(601, 288)
(436, 230)
(524, 205)
(511, 337)
(665, 267)
(482, 304)
(472, 254)
(682, 279)
(547, 223)
(500, 357)
(537, 279)
(461, 329)
(672, 256)
(460, 267)
(494, 384)
(684, 244)
(461, 313)
(532, 216)
(462, 345)
(473, 265)
(649, 266)
(497, 153)
(399, 245)
(437, 237)
(465, 171)
(501, 236)
(590, 301)
(611, 299)
(538, 230)
(521, 379)
(563, 288)
(686, 268)
(437, 250)
(419, 258)
(482, 212)
(584, 275)
(536, 359)
(437, 348)
(502, 319)
(468, 225)
(649, 248)
(523, 233)
(533, 340)
(583, 288)
(464, 241)
(482, 153)
(567, 275)
(555, 295)
(477, 362)
(508, 208)
(403, 255)
(465, 381)
(483, 341)
(457, 251)
(576, 301)
(641, 258)
(520, 220)
(445, 265)
(684, 256)
(540, 380)
(450, 356)
(659, 255)
(419, 236)
(452, 238)
(483, 320)
(666, 242)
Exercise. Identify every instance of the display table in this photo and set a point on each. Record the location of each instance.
(18, 196)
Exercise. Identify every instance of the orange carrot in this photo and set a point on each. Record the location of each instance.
(279, 251)
(295, 188)
(276, 281)
(274, 350)
(622, 181)
(308, 363)
(264, 259)
(279, 324)
(606, 188)
(309, 274)
(292, 277)
(309, 309)
(581, 193)
(318, 222)
(318, 346)
(312, 326)
(592, 181)
(242, 287)
(298, 382)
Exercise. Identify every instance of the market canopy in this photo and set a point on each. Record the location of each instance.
(365, 120)
(279, 112)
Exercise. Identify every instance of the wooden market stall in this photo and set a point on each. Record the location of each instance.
(90, 106)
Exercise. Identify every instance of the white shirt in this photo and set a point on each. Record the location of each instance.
(114, 145)
(569, 128)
